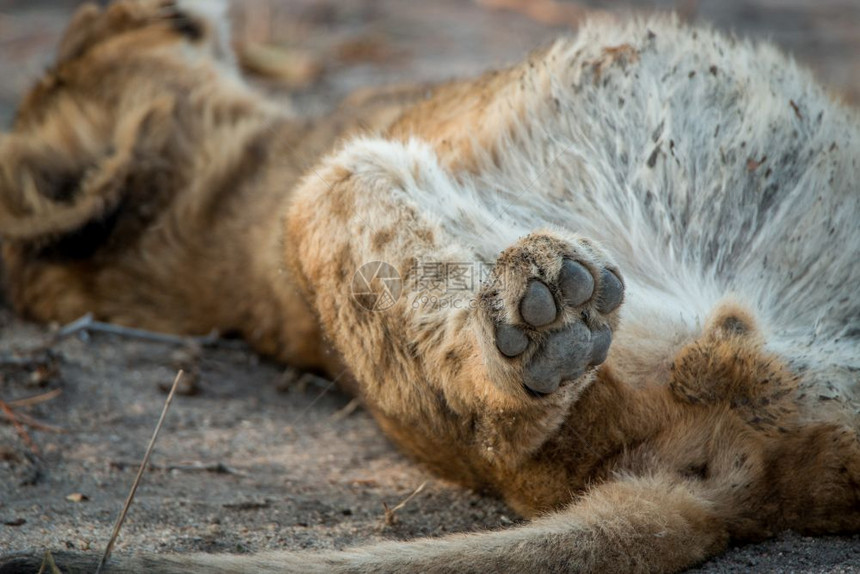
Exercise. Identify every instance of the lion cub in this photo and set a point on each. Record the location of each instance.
(602, 284)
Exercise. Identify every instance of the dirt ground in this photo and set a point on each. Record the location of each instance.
(260, 456)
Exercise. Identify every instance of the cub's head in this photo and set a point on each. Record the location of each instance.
(102, 128)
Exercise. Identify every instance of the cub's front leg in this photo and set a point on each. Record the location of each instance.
(449, 373)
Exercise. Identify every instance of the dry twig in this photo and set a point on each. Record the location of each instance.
(20, 421)
(350, 408)
(390, 518)
(88, 324)
(216, 467)
(27, 420)
(19, 428)
(38, 399)
(121, 518)
(48, 564)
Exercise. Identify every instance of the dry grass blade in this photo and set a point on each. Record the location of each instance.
(350, 408)
(328, 387)
(48, 564)
(22, 419)
(38, 399)
(19, 428)
(390, 512)
(121, 518)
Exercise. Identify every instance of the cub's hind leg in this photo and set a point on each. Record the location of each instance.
(464, 379)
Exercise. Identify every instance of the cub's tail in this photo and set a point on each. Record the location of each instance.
(630, 525)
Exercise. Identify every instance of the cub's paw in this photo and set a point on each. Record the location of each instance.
(550, 309)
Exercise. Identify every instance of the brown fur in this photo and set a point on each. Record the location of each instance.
(167, 196)
(130, 197)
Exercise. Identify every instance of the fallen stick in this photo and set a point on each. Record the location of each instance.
(216, 467)
(48, 564)
(38, 399)
(23, 419)
(389, 517)
(19, 428)
(88, 324)
(121, 518)
(350, 408)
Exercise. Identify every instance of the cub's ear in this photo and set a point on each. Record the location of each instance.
(192, 19)
(70, 171)
(81, 33)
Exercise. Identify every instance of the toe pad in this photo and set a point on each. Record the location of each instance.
(611, 292)
(510, 340)
(575, 282)
(538, 306)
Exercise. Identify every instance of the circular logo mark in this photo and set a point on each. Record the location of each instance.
(376, 286)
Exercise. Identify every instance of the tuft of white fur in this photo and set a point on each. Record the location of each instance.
(710, 168)
(216, 14)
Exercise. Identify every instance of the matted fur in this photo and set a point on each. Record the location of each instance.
(710, 176)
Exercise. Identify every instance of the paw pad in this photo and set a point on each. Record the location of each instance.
(611, 292)
(575, 282)
(537, 306)
(564, 355)
(566, 352)
(510, 340)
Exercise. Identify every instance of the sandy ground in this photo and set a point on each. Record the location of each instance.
(261, 457)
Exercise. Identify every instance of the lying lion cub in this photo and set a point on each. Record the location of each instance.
(609, 284)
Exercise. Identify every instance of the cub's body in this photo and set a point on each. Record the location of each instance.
(707, 184)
